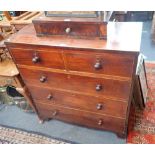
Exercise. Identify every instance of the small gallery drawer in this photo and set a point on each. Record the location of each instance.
(71, 29)
(76, 101)
(41, 58)
(84, 85)
(81, 117)
(108, 63)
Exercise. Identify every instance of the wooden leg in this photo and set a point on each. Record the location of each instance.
(48, 119)
(41, 121)
(121, 135)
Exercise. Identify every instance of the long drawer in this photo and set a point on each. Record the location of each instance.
(51, 58)
(82, 84)
(109, 63)
(79, 101)
(81, 117)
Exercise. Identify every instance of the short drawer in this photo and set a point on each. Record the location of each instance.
(79, 101)
(82, 84)
(109, 63)
(75, 29)
(41, 58)
(81, 118)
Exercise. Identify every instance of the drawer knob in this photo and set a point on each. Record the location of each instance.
(68, 30)
(55, 113)
(35, 59)
(99, 106)
(98, 65)
(43, 79)
(98, 87)
(100, 122)
(49, 97)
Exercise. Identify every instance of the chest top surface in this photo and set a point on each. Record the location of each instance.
(121, 36)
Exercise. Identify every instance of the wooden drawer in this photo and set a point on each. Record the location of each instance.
(71, 29)
(41, 58)
(81, 117)
(82, 84)
(76, 101)
(109, 63)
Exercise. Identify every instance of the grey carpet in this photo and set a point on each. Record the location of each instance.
(14, 117)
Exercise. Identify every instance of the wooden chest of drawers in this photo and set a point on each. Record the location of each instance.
(85, 82)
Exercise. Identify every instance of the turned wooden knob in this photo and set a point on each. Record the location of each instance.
(98, 87)
(55, 113)
(49, 97)
(68, 30)
(35, 59)
(100, 122)
(99, 106)
(98, 65)
(43, 79)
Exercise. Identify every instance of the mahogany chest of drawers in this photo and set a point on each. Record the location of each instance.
(88, 82)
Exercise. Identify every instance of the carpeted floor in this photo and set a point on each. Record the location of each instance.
(16, 136)
(143, 122)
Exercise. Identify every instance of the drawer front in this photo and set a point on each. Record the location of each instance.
(81, 117)
(76, 101)
(82, 84)
(48, 58)
(70, 29)
(102, 63)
